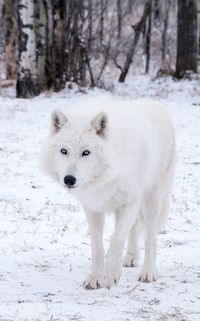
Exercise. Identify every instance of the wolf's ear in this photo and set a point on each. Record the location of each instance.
(58, 119)
(100, 123)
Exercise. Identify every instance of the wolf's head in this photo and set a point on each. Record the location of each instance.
(77, 151)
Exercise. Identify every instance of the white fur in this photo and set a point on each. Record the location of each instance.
(129, 172)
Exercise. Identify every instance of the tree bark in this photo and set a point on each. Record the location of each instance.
(2, 28)
(157, 10)
(138, 29)
(102, 9)
(41, 41)
(90, 24)
(56, 44)
(164, 33)
(130, 6)
(148, 43)
(119, 18)
(10, 8)
(187, 38)
(27, 73)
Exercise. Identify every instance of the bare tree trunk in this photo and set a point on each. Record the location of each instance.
(164, 33)
(90, 27)
(130, 6)
(49, 68)
(101, 20)
(41, 41)
(27, 73)
(187, 37)
(148, 43)
(58, 45)
(10, 9)
(119, 17)
(138, 29)
(2, 28)
(157, 10)
(198, 26)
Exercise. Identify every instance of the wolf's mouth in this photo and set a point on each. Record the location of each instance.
(70, 187)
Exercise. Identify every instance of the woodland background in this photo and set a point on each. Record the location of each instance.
(45, 44)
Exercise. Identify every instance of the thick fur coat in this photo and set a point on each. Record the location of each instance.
(115, 158)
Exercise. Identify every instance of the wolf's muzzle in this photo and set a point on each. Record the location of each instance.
(69, 180)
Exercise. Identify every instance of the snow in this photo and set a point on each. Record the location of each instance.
(44, 238)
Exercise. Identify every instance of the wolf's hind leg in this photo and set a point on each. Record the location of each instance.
(132, 255)
(156, 209)
(151, 212)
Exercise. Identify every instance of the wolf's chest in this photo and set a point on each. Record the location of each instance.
(107, 199)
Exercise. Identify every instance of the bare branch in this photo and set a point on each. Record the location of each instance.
(138, 29)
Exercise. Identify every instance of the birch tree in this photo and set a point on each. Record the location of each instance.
(27, 85)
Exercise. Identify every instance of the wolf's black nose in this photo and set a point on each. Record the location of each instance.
(69, 180)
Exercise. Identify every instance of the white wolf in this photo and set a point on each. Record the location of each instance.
(117, 158)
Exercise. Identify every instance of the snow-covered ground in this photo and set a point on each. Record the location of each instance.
(44, 238)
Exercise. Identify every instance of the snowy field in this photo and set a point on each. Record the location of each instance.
(44, 238)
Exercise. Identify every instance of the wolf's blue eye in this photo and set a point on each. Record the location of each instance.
(63, 151)
(85, 153)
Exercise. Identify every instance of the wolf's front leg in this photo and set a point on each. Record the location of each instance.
(125, 219)
(96, 278)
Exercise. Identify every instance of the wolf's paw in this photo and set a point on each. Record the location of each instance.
(148, 275)
(113, 276)
(94, 282)
(130, 261)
